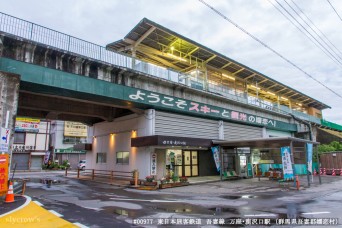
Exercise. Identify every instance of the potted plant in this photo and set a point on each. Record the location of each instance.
(150, 181)
(184, 180)
(165, 182)
(175, 180)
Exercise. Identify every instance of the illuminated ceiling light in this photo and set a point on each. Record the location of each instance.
(271, 93)
(172, 48)
(284, 98)
(227, 76)
(299, 104)
(177, 57)
(212, 82)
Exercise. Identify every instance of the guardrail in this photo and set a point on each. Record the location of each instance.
(106, 175)
(40, 34)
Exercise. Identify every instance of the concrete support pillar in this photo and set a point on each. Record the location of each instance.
(86, 69)
(107, 74)
(9, 94)
(150, 117)
(314, 133)
(59, 62)
(264, 132)
(46, 56)
(29, 52)
(221, 130)
(1, 45)
(100, 73)
(78, 65)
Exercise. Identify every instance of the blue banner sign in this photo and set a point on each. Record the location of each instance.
(309, 148)
(287, 164)
(216, 155)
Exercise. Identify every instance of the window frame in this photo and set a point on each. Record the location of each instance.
(122, 158)
(102, 155)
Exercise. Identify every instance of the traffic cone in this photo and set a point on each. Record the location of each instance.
(315, 173)
(324, 171)
(10, 195)
(320, 171)
(333, 172)
(340, 172)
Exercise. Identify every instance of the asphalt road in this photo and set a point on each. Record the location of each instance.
(101, 205)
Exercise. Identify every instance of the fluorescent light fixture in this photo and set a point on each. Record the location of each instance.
(227, 76)
(212, 82)
(284, 98)
(271, 93)
(177, 57)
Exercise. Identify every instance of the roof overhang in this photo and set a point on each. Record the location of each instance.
(170, 141)
(275, 142)
(153, 42)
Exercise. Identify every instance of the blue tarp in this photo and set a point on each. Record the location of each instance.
(300, 169)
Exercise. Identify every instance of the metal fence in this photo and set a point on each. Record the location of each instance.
(40, 34)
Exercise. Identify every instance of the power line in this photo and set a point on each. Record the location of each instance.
(334, 9)
(330, 54)
(305, 34)
(316, 27)
(268, 47)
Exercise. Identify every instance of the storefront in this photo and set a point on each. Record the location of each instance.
(182, 156)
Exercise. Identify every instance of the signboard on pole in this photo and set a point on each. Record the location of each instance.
(216, 155)
(4, 139)
(153, 163)
(75, 129)
(287, 164)
(25, 124)
(3, 174)
(309, 148)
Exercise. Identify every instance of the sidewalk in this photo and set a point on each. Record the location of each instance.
(30, 214)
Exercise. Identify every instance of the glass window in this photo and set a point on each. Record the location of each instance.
(101, 157)
(19, 138)
(122, 157)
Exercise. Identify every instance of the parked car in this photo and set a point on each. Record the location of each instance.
(82, 164)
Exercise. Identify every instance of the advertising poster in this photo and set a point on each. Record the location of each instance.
(24, 124)
(3, 174)
(309, 148)
(216, 155)
(287, 164)
(4, 139)
(154, 164)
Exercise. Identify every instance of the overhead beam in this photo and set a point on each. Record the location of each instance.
(238, 71)
(146, 34)
(225, 65)
(211, 58)
(248, 77)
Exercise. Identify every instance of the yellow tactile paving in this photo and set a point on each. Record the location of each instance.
(35, 216)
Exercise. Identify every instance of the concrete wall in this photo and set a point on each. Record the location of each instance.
(55, 59)
(123, 129)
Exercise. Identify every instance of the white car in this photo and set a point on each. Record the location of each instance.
(82, 164)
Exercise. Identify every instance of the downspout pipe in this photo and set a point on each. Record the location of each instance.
(304, 122)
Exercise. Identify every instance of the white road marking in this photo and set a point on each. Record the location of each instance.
(56, 213)
(142, 200)
(316, 213)
(262, 215)
(38, 203)
(80, 225)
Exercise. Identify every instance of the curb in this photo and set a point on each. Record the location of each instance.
(28, 200)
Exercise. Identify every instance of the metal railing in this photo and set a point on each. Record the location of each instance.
(40, 34)
(105, 175)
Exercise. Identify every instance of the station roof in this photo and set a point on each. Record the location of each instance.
(274, 142)
(152, 42)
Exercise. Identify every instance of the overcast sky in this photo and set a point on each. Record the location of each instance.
(105, 21)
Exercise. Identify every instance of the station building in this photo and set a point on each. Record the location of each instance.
(202, 96)
(157, 101)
